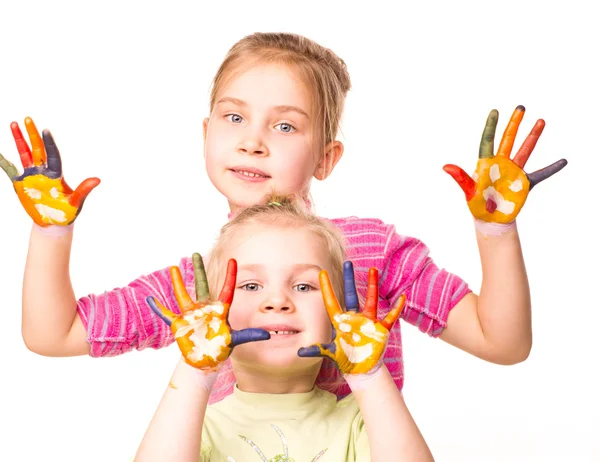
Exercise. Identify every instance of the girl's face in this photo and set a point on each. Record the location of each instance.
(258, 138)
(278, 290)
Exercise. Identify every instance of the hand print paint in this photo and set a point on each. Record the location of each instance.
(499, 187)
(42, 190)
(201, 330)
(360, 339)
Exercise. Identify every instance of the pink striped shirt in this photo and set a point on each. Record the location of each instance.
(120, 320)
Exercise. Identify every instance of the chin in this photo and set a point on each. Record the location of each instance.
(274, 358)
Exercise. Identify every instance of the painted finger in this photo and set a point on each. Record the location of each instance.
(486, 147)
(181, 295)
(238, 337)
(38, 152)
(8, 167)
(329, 299)
(200, 280)
(372, 301)
(526, 148)
(394, 314)
(508, 138)
(350, 295)
(320, 350)
(167, 316)
(464, 180)
(52, 155)
(81, 192)
(226, 295)
(546, 172)
(22, 146)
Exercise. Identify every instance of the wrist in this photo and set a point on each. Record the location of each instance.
(204, 379)
(53, 230)
(494, 229)
(358, 382)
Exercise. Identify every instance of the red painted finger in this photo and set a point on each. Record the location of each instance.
(394, 314)
(464, 180)
(226, 295)
(22, 146)
(82, 191)
(528, 145)
(371, 302)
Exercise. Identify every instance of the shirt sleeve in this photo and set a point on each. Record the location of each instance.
(121, 320)
(431, 292)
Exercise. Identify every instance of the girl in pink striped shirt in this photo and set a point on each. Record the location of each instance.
(275, 107)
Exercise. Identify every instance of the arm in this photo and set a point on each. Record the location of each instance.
(175, 432)
(389, 424)
(206, 341)
(357, 350)
(50, 324)
(496, 326)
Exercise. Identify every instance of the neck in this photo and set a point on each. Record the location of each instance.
(275, 381)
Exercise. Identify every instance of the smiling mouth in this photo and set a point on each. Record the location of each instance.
(283, 332)
(249, 174)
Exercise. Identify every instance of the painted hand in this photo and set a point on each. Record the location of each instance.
(41, 188)
(201, 330)
(499, 187)
(359, 339)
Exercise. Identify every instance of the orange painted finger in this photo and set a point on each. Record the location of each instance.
(181, 295)
(371, 302)
(331, 302)
(508, 138)
(394, 314)
(82, 191)
(226, 296)
(528, 145)
(38, 151)
(22, 146)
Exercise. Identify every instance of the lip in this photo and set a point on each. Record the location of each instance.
(238, 169)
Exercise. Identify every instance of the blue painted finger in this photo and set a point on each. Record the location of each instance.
(350, 295)
(238, 337)
(161, 311)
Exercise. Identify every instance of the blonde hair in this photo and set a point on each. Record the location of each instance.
(321, 70)
(282, 212)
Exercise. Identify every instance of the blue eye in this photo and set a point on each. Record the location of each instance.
(303, 287)
(235, 118)
(285, 128)
(251, 287)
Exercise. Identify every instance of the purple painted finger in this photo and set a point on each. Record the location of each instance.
(238, 337)
(350, 295)
(52, 156)
(546, 172)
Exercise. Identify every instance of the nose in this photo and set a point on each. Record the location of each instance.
(277, 303)
(252, 144)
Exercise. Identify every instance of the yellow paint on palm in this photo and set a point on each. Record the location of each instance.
(46, 199)
(502, 189)
(360, 341)
(203, 336)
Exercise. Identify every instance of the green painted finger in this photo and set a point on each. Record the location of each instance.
(486, 147)
(8, 167)
(200, 280)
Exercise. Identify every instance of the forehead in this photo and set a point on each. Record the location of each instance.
(271, 84)
(277, 247)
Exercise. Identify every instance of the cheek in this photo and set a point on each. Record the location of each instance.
(238, 317)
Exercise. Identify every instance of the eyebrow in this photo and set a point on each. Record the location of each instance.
(282, 108)
(297, 266)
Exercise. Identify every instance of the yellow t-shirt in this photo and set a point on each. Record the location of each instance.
(296, 427)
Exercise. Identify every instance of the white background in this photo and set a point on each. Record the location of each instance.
(124, 87)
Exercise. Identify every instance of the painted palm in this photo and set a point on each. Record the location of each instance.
(360, 339)
(42, 190)
(201, 330)
(499, 187)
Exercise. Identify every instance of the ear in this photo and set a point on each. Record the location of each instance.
(205, 128)
(329, 159)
